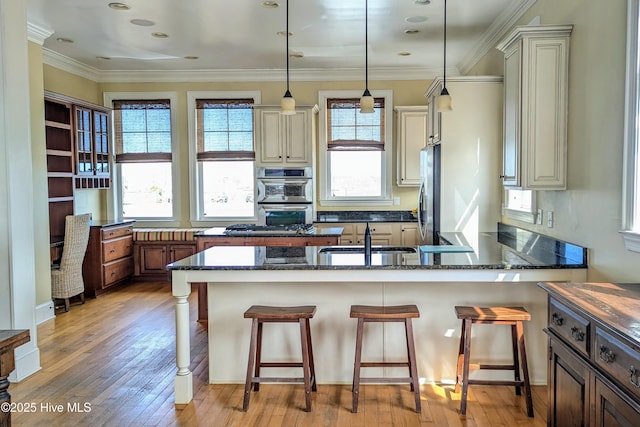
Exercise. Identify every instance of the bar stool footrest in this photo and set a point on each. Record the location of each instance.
(390, 380)
(384, 364)
(281, 364)
(277, 380)
(497, 382)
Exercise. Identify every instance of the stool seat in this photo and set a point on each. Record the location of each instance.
(492, 313)
(261, 314)
(497, 315)
(384, 312)
(271, 312)
(374, 313)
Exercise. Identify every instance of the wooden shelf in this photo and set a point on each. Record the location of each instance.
(57, 125)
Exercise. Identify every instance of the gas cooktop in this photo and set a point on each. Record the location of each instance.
(253, 229)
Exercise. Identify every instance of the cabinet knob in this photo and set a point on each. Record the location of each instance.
(502, 177)
(577, 334)
(112, 251)
(634, 373)
(556, 319)
(606, 355)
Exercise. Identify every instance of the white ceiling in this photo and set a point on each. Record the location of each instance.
(241, 35)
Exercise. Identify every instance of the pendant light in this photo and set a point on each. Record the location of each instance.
(444, 100)
(366, 102)
(288, 102)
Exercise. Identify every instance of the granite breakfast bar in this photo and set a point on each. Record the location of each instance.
(501, 268)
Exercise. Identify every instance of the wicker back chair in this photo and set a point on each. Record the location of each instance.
(66, 280)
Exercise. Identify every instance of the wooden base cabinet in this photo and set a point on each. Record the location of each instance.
(594, 355)
(109, 258)
(151, 258)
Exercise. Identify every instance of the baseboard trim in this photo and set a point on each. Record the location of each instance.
(44, 312)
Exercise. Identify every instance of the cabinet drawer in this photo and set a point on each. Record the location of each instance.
(118, 248)
(114, 232)
(618, 360)
(376, 228)
(117, 270)
(571, 326)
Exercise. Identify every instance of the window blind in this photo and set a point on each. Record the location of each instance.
(224, 129)
(142, 130)
(348, 129)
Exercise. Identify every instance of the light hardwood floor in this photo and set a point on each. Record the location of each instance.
(114, 359)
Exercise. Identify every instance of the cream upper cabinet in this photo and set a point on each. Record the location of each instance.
(536, 65)
(286, 140)
(411, 137)
(434, 118)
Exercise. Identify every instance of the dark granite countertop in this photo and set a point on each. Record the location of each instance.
(316, 232)
(110, 223)
(364, 216)
(494, 250)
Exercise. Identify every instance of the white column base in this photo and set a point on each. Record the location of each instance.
(183, 388)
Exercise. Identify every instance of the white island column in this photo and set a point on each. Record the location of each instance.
(183, 382)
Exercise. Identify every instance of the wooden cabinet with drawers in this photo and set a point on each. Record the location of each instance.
(382, 233)
(151, 258)
(109, 258)
(594, 354)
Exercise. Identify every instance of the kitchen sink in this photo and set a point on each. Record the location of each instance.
(374, 250)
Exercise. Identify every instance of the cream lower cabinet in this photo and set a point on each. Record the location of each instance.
(285, 140)
(382, 233)
(412, 127)
(536, 81)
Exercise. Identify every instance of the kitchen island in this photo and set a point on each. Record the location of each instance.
(495, 268)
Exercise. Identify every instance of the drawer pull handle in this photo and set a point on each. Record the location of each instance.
(633, 373)
(577, 334)
(606, 355)
(112, 251)
(556, 319)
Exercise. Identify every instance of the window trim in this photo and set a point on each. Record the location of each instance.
(524, 215)
(114, 201)
(631, 164)
(196, 209)
(323, 176)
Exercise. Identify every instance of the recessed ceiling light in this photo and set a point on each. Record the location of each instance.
(160, 35)
(422, 2)
(284, 33)
(119, 6)
(143, 22)
(106, 58)
(270, 4)
(415, 19)
(411, 31)
(64, 40)
(191, 57)
(404, 53)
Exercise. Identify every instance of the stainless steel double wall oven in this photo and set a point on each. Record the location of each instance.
(285, 196)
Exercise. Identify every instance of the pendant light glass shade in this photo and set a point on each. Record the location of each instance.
(444, 100)
(288, 102)
(366, 102)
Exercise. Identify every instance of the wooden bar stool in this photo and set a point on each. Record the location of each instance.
(399, 313)
(263, 314)
(513, 316)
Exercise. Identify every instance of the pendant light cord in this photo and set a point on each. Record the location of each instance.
(287, 30)
(366, 45)
(444, 71)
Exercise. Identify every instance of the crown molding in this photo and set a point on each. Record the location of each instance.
(69, 65)
(494, 34)
(72, 66)
(38, 34)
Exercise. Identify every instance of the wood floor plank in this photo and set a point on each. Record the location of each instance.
(117, 354)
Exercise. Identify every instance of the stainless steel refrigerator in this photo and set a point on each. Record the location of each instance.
(429, 194)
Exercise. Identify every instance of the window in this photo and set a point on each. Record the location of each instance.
(631, 167)
(521, 205)
(143, 135)
(221, 130)
(355, 150)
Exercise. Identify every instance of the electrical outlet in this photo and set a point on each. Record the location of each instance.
(539, 217)
(550, 219)
(396, 201)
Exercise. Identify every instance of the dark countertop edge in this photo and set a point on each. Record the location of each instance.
(354, 221)
(108, 223)
(325, 232)
(284, 267)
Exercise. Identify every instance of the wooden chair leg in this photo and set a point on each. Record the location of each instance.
(256, 385)
(465, 365)
(82, 297)
(413, 369)
(312, 367)
(460, 359)
(306, 369)
(525, 369)
(252, 355)
(356, 366)
(516, 362)
(67, 305)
